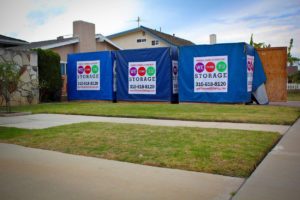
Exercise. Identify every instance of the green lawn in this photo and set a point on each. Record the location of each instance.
(197, 112)
(294, 95)
(227, 152)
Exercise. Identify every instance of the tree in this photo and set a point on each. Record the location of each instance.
(294, 78)
(258, 45)
(291, 59)
(251, 40)
(9, 79)
(49, 75)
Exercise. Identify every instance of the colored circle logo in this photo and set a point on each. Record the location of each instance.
(95, 69)
(250, 66)
(132, 71)
(87, 69)
(210, 67)
(221, 66)
(150, 71)
(80, 70)
(142, 71)
(175, 70)
(199, 67)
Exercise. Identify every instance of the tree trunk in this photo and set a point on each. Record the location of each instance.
(7, 101)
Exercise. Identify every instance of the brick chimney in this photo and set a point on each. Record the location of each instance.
(85, 31)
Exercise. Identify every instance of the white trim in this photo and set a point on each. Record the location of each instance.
(101, 38)
(113, 44)
(65, 66)
(59, 44)
(293, 86)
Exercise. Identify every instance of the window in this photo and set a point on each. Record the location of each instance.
(141, 40)
(155, 42)
(63, 68)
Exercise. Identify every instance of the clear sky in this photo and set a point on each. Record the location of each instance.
(271, 21)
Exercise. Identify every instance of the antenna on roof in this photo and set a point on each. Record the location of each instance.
(138, 20)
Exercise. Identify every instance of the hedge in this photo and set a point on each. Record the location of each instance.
(49, 75)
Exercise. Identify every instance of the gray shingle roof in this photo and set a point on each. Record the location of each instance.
(176, 41)
(40, 44)
(5, 40)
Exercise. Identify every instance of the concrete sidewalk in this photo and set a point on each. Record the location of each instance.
(288, 103)
(27, 173)
(40, 121)
(278, 176)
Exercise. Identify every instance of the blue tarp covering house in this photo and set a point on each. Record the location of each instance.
(147, 74)
(220, 73)
(90, 76)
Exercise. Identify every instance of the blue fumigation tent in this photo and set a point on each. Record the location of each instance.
(219, 73)
(90, 76)
(147, 74)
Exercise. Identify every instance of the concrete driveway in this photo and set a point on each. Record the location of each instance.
(27, 173)
(288, 103)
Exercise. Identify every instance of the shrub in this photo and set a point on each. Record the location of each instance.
(294, 78)
(49, 75)
(9, 79)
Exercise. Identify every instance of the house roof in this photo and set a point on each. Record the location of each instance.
(292, 70)
(48, 44)
(101, 38)
(60, 41)
(5, 40)
(170, 39)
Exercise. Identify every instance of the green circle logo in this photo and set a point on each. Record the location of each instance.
(95, 69)
(150, 71)
(221, 66)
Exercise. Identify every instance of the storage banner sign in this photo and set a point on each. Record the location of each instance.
(142, 77)
(250, 70)
(175, 76)
(88, 75)
(211, 74)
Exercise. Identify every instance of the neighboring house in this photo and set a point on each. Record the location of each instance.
(83, 39)
(10, 42)
(292, 70)
(143, 37)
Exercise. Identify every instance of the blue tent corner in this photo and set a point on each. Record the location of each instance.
(219, 73)
(86, 83)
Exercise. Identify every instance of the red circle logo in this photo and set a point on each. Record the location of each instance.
(142, 71)
(210, 67)
(87, 69)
